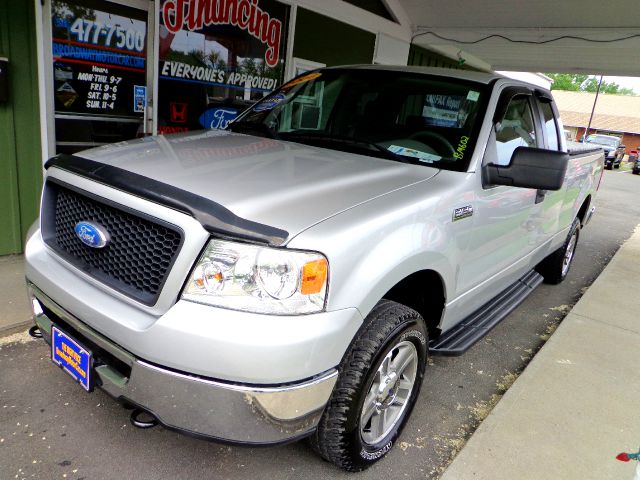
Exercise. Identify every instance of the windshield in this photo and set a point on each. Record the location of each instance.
(602, 140)
(408, 117)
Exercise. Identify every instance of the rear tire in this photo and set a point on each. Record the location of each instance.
(555, 267)
(378, 384)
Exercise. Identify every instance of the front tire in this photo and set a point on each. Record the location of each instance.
(379, 382)
(555, 267)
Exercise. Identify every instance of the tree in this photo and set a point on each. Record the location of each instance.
(585, 83)
(567, 81)
(591, 85)
(69, 12)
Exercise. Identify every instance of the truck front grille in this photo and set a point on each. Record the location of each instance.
(141, 250)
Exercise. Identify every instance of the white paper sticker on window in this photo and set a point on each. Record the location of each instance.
(410, 152)
(473, 96)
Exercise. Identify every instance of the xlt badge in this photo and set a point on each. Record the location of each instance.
(462, 212)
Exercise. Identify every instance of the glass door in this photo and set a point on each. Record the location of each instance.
(102, 71)
(215, 62)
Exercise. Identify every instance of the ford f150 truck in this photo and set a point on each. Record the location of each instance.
(287, 277)
(612, 146)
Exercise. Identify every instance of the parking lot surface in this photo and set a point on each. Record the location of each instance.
(50, 428)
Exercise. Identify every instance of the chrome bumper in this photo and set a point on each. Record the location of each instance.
(193, 404)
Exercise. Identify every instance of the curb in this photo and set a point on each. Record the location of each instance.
(15, 328)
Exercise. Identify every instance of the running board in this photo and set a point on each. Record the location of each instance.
(463, 336)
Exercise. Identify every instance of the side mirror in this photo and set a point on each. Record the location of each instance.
(530, 168)
(622, 146)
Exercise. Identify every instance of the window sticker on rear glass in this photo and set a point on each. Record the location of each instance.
(442, 110)
(473, 96)
(410, 152)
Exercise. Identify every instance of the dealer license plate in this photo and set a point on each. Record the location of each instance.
(72, 357)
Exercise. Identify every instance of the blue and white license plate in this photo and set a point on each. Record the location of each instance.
(72, 357)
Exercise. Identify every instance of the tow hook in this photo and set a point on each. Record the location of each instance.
(35, 332)
(142, 419)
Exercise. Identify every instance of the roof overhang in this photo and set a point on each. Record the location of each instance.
(589, 36)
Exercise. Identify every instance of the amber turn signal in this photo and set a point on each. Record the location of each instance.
(314, 276)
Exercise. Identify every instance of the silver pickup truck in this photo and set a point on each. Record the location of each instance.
(288, 277)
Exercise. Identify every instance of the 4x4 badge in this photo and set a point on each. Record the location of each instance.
(462, 212)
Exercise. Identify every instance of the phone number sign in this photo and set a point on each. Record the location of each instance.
(99, 57)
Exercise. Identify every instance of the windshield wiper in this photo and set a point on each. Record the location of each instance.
(297, 135)
(259, 127)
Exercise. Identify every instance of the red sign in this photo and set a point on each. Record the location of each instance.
(178, 112)
(245, 14)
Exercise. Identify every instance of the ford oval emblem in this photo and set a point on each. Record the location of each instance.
(92, 234)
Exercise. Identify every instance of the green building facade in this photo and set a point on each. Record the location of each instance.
(20, 153)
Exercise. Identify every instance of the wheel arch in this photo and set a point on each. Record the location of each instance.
(584, 209)
(424, 291)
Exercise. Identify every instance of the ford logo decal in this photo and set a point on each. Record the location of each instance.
(92, 235)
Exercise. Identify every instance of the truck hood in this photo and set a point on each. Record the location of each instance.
(286, 185)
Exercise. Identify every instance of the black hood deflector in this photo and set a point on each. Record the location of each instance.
(215, 218)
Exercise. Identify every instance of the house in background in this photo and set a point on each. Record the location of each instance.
(614, 115)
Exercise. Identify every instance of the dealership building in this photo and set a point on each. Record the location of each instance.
(617, 115)
(76, 74)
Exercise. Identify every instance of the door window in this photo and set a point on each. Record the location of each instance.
(517, 129)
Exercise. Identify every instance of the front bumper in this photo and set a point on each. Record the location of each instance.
(612, 160)
(194, 404)
(229, 345)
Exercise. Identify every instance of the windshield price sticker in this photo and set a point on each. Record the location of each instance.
(410, 152)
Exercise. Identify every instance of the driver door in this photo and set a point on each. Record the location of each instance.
(503, 235)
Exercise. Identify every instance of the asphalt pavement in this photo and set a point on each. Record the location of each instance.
(50, 428)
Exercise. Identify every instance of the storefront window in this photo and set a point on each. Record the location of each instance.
(216, 58)
(99, 72)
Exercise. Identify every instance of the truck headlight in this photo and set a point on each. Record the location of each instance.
(259, 279)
